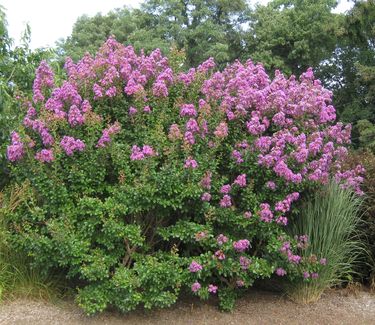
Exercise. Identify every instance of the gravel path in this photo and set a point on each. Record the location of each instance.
(257, 307)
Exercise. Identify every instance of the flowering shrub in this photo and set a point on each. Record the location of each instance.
(146, 179)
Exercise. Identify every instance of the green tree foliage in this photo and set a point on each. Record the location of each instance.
(366, 137)
(90, 32)
(351, 70)
(203, 28)
(292, 35)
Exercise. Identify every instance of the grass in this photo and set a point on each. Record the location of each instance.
(17, 277)
(331, 219)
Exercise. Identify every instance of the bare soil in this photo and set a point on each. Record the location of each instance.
(256, 307)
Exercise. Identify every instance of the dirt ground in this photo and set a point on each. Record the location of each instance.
(257, 307)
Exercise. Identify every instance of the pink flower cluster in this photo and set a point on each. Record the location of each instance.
(221, 239)
(190, 163)
(280, 271)
(206, 180)
(221, 130)
(196, 287)
(303, 145)
(45, 155)
(241, 245)
(70, 145)
(174, 132)
(206, 197)
(75, 116)
(286, 249)
(245, 262)
(240, 180)
(290, 121)
(142, 153)
(15, 150)
(226, 201)
(195, 267)
(284, 206)
(212, 288)
(220, 255)
(39, 127)
(106, 134)
(44, 79)
(188, 110)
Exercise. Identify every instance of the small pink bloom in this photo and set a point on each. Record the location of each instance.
(195, 286)
(195, 267)
(212, 288)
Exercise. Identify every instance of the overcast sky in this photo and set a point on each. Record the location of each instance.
(53, 19)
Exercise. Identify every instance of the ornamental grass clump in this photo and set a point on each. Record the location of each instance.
(147, 180)
(17, 278)
(330, 220)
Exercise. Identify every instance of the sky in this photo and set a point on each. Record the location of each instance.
(51, 20)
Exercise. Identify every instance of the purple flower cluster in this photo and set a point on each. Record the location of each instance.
(219, 254)
(195, 267)
(241, 245)
(107, 133)
(245, 262)
(196, 287)
(226, 201)
(39, 127)
(174, 132)
(237, 156)
(280, 271)
(75, 116)
(221, 239)
(212, 288)
(206, 197)
(142, 153)
(240, 180)
(221, 130)
(284, 206)
(70, 145)
(44, 78)
(190, 163)
(45, 155)
(286, 249)
(206, 180)
(15, 150)
(225, 189)
(247, 214)
(271, 185)
(188, 110)
(265, 212)
(132, 110)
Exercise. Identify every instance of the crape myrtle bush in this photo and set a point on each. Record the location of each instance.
(145, 180)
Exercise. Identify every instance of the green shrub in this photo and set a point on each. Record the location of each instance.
(144, 180)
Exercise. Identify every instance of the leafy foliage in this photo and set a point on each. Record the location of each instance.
(350, 71)
(203, 28)
(292, 35)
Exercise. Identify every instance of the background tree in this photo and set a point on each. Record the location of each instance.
(350, 72)
(203, 28)
(90, 32)
(292, 35)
